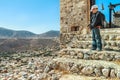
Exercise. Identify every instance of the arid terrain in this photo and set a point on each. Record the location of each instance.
(36, 59)
(17, 54)
(14, 45)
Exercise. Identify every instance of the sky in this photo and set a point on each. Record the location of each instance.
(37, 16)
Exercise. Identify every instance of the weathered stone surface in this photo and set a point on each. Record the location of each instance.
(91, 55)
(113, 73)
(117, 57)
(63, 66)
(55, 77)
(74, 69)
(118, 38)
(97, 72)
(116, 19)
(98, 56)
(86, 56)
(80, 55)
(87, 70)
(73, 13)
(118, 75)
(106, 72)
(106, 37)
(112, 37)
(118, 45)
(108, 57)
(73, 53)
(47, 69)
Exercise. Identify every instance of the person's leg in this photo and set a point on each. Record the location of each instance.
(98, 39)
(94, 44)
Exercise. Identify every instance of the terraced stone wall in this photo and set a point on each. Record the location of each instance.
(110, 40)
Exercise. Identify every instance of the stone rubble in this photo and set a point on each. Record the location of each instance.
(46, 68)
(88, 70)
(28, 68)
(90, 55)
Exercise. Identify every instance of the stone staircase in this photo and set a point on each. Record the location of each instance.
(76, 56)
(110, 40)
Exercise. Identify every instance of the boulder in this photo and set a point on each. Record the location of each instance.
(106, 72)
(112, 73)
(87, 70)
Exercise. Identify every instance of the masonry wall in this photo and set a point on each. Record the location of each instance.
(74, 16)
(117, 19)
(74, 19)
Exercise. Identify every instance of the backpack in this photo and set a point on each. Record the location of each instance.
(102, 19)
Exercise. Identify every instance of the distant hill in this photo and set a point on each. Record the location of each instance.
(7, 33)
(51, 33)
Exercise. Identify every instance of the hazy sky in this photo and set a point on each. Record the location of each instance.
(37, 16)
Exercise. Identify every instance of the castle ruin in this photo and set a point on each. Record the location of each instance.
(75, 42)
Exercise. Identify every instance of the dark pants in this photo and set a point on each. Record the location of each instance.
(96, 39)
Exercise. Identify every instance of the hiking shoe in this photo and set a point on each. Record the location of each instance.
(99, 49)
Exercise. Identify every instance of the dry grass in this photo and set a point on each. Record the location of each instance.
(114, 79)
(117, 62)
(80, 77)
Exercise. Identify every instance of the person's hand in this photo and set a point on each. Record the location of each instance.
(98, 27)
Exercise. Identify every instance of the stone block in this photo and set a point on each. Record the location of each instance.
(87, 70)
(106, 72)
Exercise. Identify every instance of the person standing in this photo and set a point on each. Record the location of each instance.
(95, 25)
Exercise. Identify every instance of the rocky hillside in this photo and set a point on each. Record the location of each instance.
(18, 45)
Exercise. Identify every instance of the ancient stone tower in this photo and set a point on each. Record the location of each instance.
(75, 17)
(75, 43)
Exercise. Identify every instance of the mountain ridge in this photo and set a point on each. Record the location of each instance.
(9, 33)
(51, 33)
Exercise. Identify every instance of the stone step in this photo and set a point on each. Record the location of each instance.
(113, 30)
(82, 77)
(89, 67)
(104, 37)
(114, 37)
(66, 38)
(88, 54)
(107, 45)
(109, 32)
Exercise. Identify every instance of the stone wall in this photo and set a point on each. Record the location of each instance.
(74, 19)
(82, 67)
(74, 15)
(110, 40)
(116, 19)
